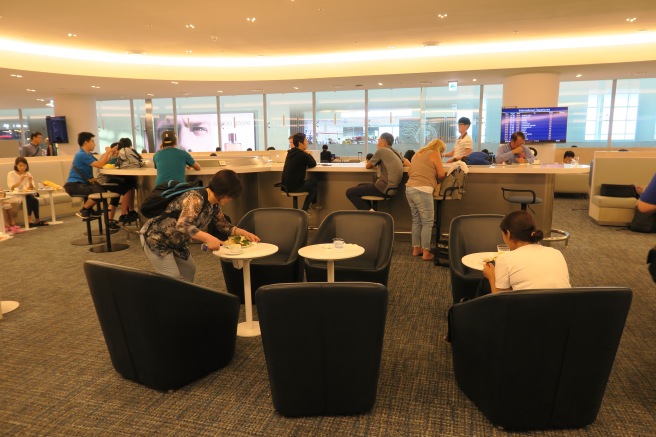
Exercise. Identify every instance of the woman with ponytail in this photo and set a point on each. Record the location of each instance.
(528, 265)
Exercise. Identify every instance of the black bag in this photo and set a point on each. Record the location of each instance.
(643, 222)
(613, 190)
(155, 204)
(651, 260)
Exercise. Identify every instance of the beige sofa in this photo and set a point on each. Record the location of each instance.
(51, 168)
(631, 168)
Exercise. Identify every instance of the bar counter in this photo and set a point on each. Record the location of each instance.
(483, 189)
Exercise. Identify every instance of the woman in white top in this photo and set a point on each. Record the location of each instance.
(20, 178)
(528, 265)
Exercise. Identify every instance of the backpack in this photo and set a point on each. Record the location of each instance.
(453, 185)
(155, 204)
(128, 158)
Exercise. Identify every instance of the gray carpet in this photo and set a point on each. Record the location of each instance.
(56, 377)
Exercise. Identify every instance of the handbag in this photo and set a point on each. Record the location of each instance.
(614, 190)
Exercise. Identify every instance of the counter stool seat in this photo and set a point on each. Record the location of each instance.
(109, 246)
(294, 195)
(529, 198)
(375, 199)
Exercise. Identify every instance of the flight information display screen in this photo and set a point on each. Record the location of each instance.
(540, 125)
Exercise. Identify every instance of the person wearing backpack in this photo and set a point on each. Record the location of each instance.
(166, 238)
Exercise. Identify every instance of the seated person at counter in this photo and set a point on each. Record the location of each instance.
(647, 200)
(568, 156)
(389, 165)
(464, 144)
(325, 155)
(515, 152)
(293, 173)
(528, 265)
(80, 177)
(172, 162)
(165, 239)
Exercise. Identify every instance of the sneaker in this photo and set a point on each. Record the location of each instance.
(16, 229)
(83, 214)
(113, 225)
(123, 218)
(133, 216)
(95, 214)
(316, 207)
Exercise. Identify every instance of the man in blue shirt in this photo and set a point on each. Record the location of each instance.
(515, 151)
(172, 162)
(80, 176)
(647, 201)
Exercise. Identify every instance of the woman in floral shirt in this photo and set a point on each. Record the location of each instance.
(166, 238)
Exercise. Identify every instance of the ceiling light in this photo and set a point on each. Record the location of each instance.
(473, 80)
(295, 87)
(94, 86)
(188, 51)
(214, 38)
(579, 75)
(252, 20)
(190, 26)
(631, 20)
(15, 75)
(40, 100)
(256, 90)
(72, 35)
(51, 104)
(442, 15)
(29, 90)
(219, 91)
(174, 82)
(150, 95)
(380, 83)
(320, 9)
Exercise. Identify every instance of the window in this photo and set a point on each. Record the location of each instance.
(242, 122)
(397, 111)
(634, 124)
(588, 116)
(113, 122)
(340, 121)
(287, 114)
(197, 123)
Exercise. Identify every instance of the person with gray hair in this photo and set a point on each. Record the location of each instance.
(389, 164)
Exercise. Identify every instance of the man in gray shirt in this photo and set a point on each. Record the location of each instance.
(515, 152)
(33, 148)
(389, 164)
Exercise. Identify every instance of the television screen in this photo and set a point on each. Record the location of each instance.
(540, 125)
(57, 131)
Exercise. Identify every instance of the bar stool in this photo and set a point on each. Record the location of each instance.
(375, 199)
(101, 198)
(293, 195)
(529, 198)
(93, 237)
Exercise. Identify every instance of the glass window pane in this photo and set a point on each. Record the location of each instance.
(197, 123)
(242, 122)
(442, 109)
(491, 117)
(639, 119)
(587, 123)
(163, 118)
(340, 121)
(398, 112)
(9, 125)
(34, 120)
(288, 114)
(140, 141)
(113, 121)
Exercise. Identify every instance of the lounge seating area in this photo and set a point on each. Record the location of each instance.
(62, 377)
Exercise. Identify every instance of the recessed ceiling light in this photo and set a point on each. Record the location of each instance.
(320, 9)
(15, 75)
(631, 20)
(188, 51)
(94, 86)
(579, 75)
(219, 91)
(380, 83)
(256, 90)
(442, 15)
(150, 95)
(72, 35)
(30, 90)
(190, 26)
(295, 87)
(473, 80)
(214, 38)
(174, 82)
(252, 20)
(40, 100)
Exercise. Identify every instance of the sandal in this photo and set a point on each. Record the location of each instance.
(41, 223)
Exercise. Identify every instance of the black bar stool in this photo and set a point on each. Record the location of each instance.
(375, 199)
(101, 198)
(288, 193)
(93, 237)
(529, 198)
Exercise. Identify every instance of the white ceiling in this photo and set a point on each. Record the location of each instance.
(309, 31)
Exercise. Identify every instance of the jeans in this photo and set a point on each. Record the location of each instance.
(354, 194)
(171, 265)
(423, 214)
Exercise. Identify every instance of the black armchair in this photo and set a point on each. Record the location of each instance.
(161, 332)
(323, 344)
(284, 227)
(538, 359)
(470, 234)
(370, 229)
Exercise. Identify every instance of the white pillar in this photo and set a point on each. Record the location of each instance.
(533, 90)
(81, 116)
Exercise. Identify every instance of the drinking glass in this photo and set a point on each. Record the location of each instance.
(338, 243)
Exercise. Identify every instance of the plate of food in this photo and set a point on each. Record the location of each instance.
(242, 241)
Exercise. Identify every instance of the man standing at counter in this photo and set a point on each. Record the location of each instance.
(293, 173)
(515, 152)
(172, 162)
(390, 173)
(464, 144)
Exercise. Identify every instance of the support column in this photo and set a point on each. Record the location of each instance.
(81, 116)
(532, 90)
